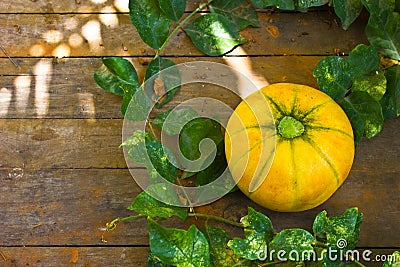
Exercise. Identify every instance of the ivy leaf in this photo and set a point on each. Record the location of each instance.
(347, 11)
(117, 75)
(374, 84)
(215, 169)
(344, 227)
(363, 59)
(150, 22)
(390, 101)
(135, 145)
(333, 77)
(258, 231)
(214, 34)
(179, 247)
(290, 240)
(177, 118)
(162, 161)
(147, 205)
(165, 70)
(173, 9)
(239, 11)
(393, 260)
(220, 254)
(135, 105)
(165, 192)
(383, 28)
(366, 108)
(194, 132)
(356, 120)
(281, 4)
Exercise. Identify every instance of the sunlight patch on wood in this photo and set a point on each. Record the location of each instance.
(5, 100)
(122, 5)
(108, 17)
(92, 33)
(42, 71)
(22, 90)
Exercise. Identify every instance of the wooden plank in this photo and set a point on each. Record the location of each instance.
(69, 207)
(50, 88)
(115, 256)
(74, 256)
(63, 35)
(73, 6)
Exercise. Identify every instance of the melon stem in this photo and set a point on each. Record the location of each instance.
(290, 128)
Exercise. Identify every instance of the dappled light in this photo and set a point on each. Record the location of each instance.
(92, 33)
(5, 99)
(22, 88)
(42, 71)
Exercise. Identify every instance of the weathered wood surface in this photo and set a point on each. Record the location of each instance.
(62, 35)
(62, 175)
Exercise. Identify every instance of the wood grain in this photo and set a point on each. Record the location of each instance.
(63, 35)
(72, 93)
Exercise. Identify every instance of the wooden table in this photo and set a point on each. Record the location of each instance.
(62, 175)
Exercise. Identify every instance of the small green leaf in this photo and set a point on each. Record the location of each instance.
(177, 118)
(117, 75)
(162, 160)
(281, 4)
(240, 12)
(194, 132)
(347, 11)
(258, 231)
(135, 105)
(167, 71)
(393, 260)
(220, 254)
(363, 59)
(390, 101)
(214, 34)
(344, 227)
(374, 84)
(333, 77)
(179, 247)
(150, 22)
(383, 28)
(147, 205)
(296, 243)
(173, 9)
(135, 144)
(366, 108)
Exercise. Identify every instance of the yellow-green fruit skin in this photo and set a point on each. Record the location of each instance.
(305, 170)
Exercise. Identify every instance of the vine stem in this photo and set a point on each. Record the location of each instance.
(216, 218)
(175, 30)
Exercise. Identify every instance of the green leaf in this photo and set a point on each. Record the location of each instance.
(281, 4)
(347, 11)
(165, 193)
(363, 59)
(215, 169)
(333, 77)
(240, 12)
(383, 28)
(135, 144)
(173, 9)
(344, 227)
(359, 104)
(393, 260)
(179, 247)
(135, 105)
(177, 118)
(167, 71)
(390, 101)
(214, 34)
(374, 84)
(194, 132)
(258, 231)
(220, 254)
(150, 22)
(296, 243)
(162, 160)
(117, 75)
(147, 205)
